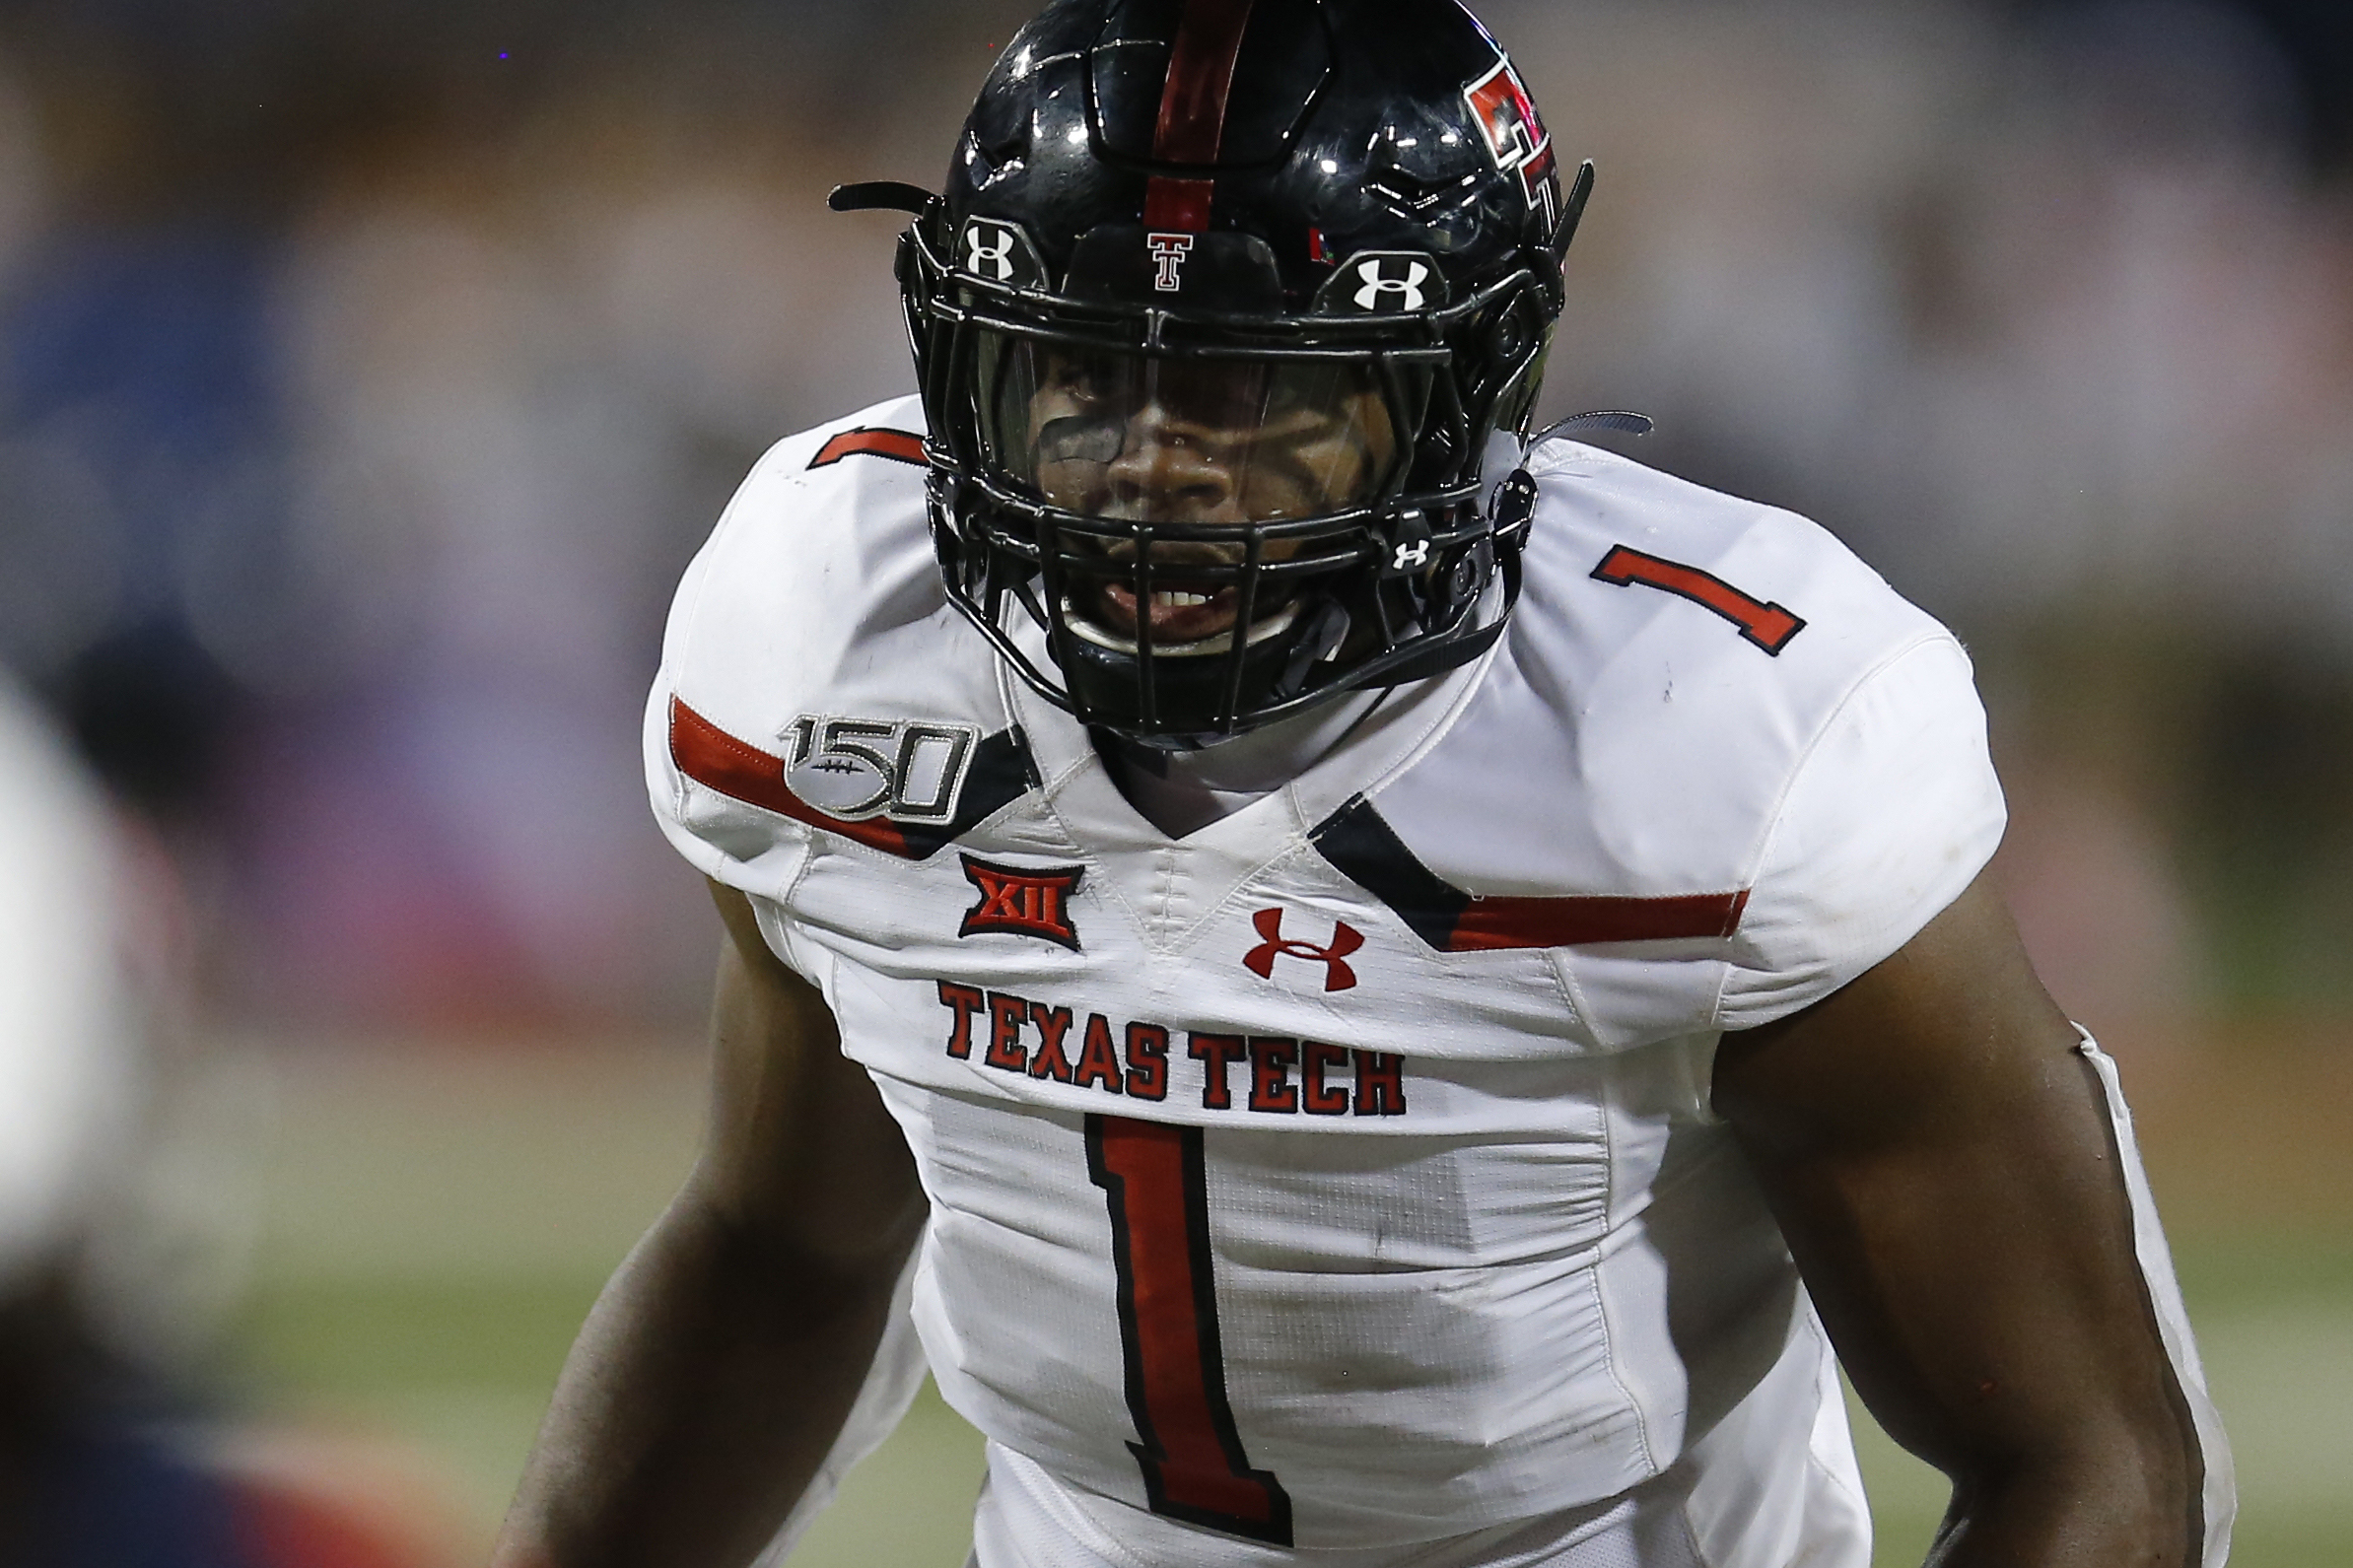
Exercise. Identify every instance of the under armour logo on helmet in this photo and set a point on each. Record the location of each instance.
(989, 251)
(1381, 285)
(1410, 554)
(1384, 283)
(1338, 976)
(998, 251)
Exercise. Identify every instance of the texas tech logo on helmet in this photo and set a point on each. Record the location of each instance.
(1383, 283)
(1507, 118)
(998, 251)
(1168, 259)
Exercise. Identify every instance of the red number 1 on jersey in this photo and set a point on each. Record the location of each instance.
(1194, 1469)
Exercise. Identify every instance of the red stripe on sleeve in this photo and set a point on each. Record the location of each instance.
(740, 771)
(1768, 626)
(899, 446)
(1488, 925)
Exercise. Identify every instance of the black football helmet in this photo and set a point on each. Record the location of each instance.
(1213, 322)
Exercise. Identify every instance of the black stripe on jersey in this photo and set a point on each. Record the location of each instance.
(1001, 773)
(1368, 852)
(1365, 850)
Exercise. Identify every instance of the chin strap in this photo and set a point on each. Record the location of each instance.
(1459, 652)
(1511, 515)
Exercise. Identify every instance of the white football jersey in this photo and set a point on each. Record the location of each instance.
(1341, 1176)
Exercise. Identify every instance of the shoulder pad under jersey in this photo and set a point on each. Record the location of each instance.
(813, 674)
(1763, 767)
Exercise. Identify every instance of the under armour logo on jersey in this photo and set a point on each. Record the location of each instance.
(1383, 291)
(1168, 261)
(1338, 976)
(1020, 901)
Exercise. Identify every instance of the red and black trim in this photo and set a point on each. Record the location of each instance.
(1155, 1185)
(899, 446)
(1193, 103)
(1000, 772)
(1768, 626)
(1365, 850)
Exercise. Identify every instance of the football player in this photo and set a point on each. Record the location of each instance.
(1360, 987)
(105, 1460)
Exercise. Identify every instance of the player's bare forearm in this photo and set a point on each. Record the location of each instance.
(719, 1364)
(703, 1394)
(1939, 1155)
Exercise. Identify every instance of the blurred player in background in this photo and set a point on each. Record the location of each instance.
(108, 1283)
(1373, 986)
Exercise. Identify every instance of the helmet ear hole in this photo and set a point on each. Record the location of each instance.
(1507, 339)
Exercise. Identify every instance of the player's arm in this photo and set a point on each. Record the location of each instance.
(722, 1360)
(1940, 1157)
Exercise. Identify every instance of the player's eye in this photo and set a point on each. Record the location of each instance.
(1086, 379)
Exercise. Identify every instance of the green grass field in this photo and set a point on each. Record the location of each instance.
(441, 1220)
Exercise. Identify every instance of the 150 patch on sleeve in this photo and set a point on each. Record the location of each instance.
(909, 769)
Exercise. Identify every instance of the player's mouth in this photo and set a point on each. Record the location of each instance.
(1177, 615)
(1184, 621)
(1193, 606)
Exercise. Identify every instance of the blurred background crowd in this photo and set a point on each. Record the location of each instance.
(369, 368)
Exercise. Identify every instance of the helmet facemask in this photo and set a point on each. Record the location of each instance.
(1215, 521)
(1186, 503)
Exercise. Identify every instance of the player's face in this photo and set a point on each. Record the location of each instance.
(1202, 444)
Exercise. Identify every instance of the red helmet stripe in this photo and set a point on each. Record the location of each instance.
(1201, 78)
(1177, 206)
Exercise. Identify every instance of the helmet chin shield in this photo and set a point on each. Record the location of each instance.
(1207, 412)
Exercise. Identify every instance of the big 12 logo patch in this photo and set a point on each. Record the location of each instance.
(1022, 901)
